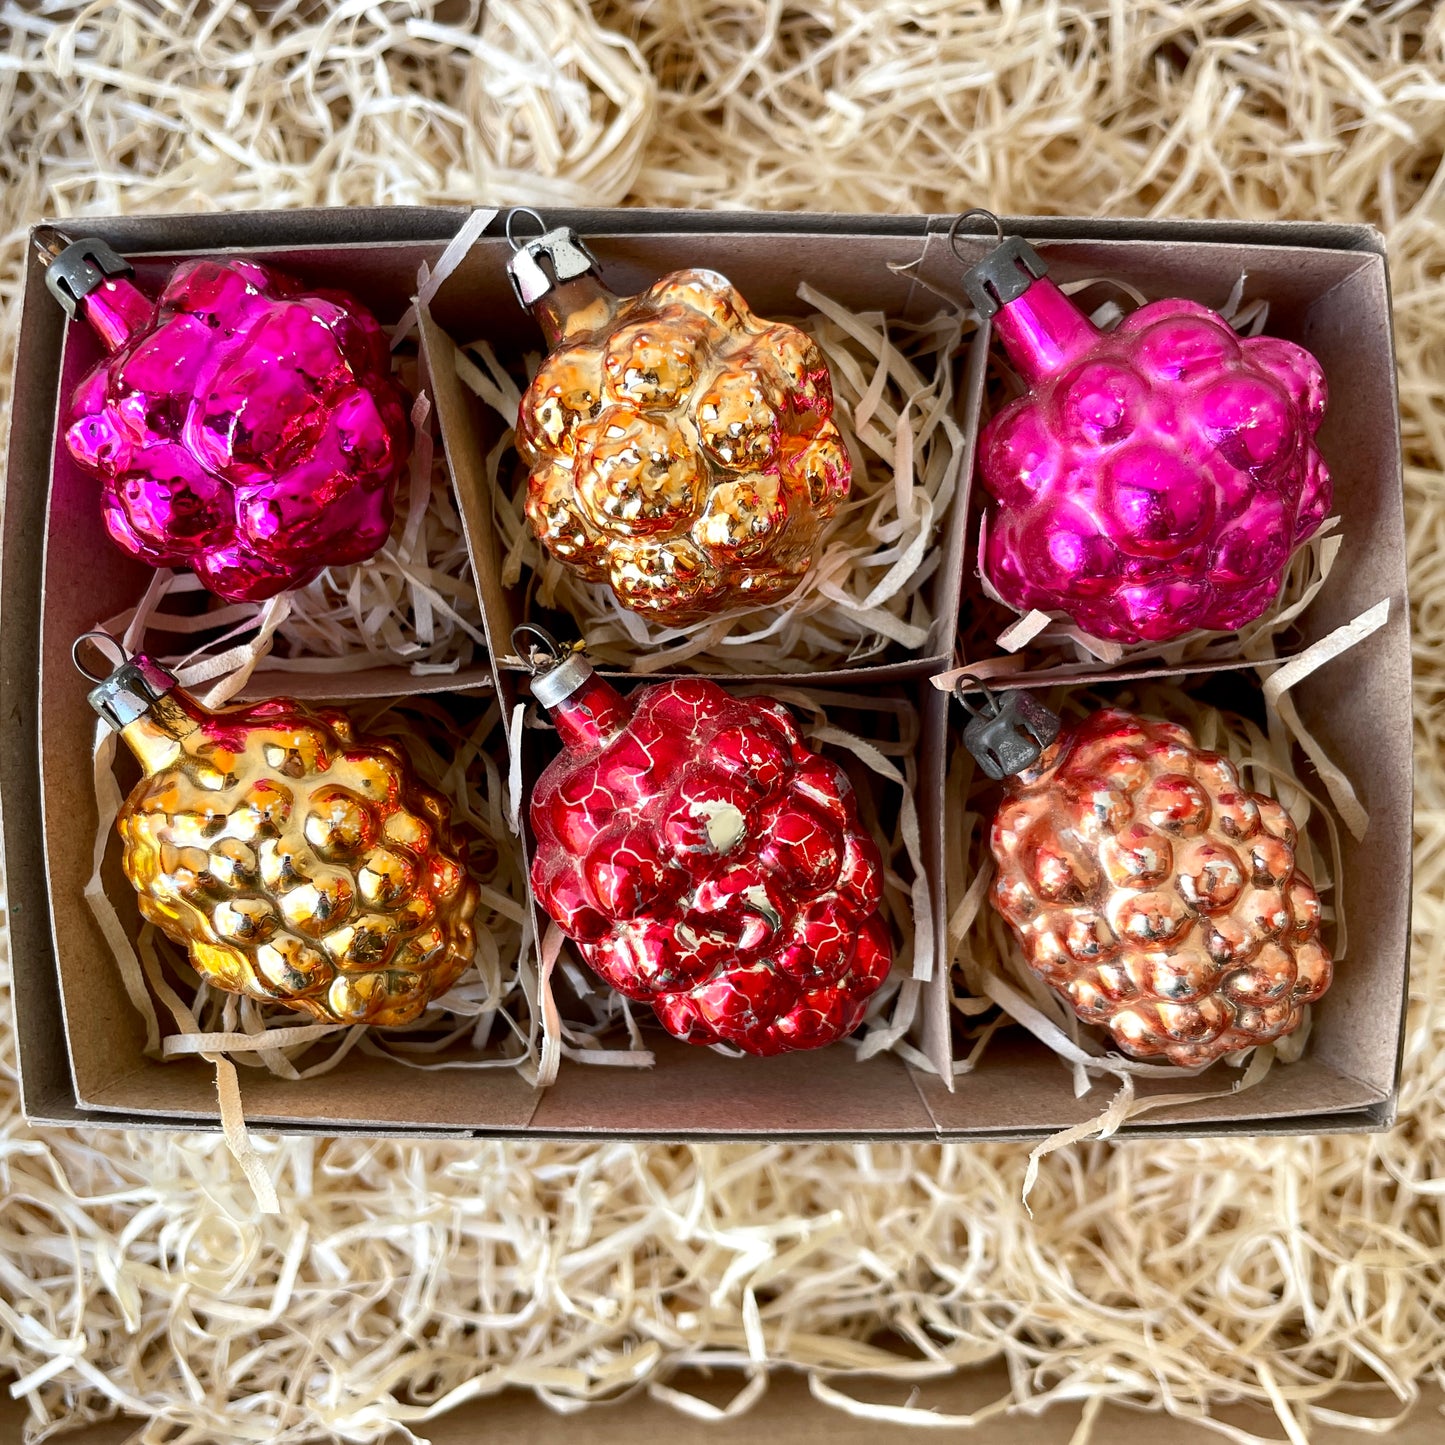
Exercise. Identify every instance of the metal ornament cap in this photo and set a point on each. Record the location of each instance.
(1009, 733)
(540, 265)
(557, 684)
(132, 688)
(1003, 275)
(558, 671)
(82, 267)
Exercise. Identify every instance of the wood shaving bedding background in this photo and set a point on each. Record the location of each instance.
(136, 1273)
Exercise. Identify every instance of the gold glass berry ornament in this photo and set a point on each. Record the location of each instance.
(1145, 884)
(299, 861)
(682, 450)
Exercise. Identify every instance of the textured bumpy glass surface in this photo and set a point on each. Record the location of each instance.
(299, 862)
(241, 426)
(1156, 894)
(708, 863)
(1156, 479)
(682, 450)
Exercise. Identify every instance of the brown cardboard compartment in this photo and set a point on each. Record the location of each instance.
(384, 277)
(694, 1093)
(1021, 1093)
(1350, 1062)
(109, 1071)
(1335, 303)
(845, 262)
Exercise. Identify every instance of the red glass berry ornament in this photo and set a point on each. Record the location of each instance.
(1145, 884)
(240, 425)
(705, 861)
(682, 449)
(1155, 478)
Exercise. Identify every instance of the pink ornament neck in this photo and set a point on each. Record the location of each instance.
(118, 311)
(1043, 331)
(592, 715)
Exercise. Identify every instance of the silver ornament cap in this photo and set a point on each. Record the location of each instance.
(543, 263)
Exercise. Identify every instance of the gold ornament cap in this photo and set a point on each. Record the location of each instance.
(132, 688)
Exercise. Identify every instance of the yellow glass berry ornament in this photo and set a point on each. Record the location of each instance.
(299, 861)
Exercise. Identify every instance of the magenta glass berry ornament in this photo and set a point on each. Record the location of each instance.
(240, 425)
(1144, 883)
(1154, 479)
(705, 861)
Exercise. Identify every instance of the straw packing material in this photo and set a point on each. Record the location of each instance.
(404, 1277)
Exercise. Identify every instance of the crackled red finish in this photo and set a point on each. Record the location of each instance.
(1153, 480)
(706, 862)
(241, 426)
(1157, 894)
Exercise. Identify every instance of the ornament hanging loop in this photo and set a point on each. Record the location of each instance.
(512, 215)
(967, 684)
(528, 639)
(982, 214)
(49, 242)
(102, 642)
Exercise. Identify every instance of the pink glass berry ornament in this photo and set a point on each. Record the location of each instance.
(1155, 479)
(240, 425)
(706, 862)
(1145, 884)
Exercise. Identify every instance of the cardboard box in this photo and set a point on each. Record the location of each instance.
(788, 1411)
(81, 1056)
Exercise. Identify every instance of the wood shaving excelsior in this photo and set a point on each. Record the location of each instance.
(1179, 1276)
